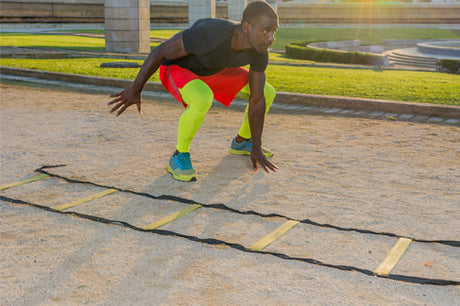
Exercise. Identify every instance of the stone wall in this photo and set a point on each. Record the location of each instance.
(81, 11)
(33, 11)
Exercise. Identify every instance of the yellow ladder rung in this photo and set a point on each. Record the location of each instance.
(280, 231)
(393, 257)
(172, 217)
(33, 179)
(85, 200)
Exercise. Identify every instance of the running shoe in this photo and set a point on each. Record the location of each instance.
(245, 148)
(180, 166)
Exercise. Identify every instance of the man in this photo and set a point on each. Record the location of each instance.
(203, 63)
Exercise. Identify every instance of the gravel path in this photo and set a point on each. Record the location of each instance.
(380, 175)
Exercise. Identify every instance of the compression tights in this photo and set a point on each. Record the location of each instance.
(198, 97)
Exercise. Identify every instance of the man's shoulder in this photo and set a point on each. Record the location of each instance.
(206, 34)
(210, 30)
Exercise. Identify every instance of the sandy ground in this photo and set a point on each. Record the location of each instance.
(390, 176)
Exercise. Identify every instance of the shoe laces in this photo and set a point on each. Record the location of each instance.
(184, 160)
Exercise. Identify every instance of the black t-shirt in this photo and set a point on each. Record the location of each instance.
(209, 42)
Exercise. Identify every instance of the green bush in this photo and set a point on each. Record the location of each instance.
(301, 50)
(449, 65)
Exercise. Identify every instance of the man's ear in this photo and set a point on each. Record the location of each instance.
(246, 26)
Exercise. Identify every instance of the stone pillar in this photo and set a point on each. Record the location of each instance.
(127, 26)
(236, 8)
(198, 9)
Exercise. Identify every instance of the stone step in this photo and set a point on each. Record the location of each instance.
(413, 57)
(412, 65)
(401, 59)
(411, 61)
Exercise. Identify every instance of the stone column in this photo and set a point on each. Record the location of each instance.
(127, 26)
(198, 9)
(236, 8)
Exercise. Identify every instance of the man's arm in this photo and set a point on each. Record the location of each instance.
(256, 116)
(170, 49)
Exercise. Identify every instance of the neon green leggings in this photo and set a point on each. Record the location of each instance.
(198, 97)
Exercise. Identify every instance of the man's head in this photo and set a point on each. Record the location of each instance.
(260, 22)
(256, 9)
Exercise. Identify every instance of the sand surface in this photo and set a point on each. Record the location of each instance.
(384, 176)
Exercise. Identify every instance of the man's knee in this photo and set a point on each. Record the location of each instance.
(197, 95)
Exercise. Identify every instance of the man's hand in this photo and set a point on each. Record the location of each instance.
(258, 157)
(125, 99)
(171, 49)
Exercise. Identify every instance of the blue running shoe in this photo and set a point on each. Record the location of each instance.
(245, 148)
(180, 166)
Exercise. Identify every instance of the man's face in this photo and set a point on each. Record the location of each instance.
(261, 33)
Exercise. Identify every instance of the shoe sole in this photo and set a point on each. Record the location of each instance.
(239, 152)
(183, 178)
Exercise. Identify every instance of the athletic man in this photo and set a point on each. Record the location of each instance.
(203, 63)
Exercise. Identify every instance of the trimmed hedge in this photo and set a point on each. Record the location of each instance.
(301, 50)
(449, 65)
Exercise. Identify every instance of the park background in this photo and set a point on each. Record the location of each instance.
(388, 173)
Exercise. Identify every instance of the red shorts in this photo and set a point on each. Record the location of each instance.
(225, 84)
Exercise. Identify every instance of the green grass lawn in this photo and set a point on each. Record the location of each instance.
(56, 41)
(73, 39)
(368, 36)
(52, 41)
(411, 86)
(84, 66)
(425, 87)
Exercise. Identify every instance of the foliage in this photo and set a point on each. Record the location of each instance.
(367, 35)
(303, 51)
(449, 65)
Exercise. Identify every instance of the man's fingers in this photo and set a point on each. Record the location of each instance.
(265, 164)
(123, 100)
(122, 110)
(115, 95)
(116, 107)
(114, 101)
(254, 164)
(271, 166)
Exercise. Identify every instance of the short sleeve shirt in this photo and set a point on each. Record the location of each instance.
(209, 44)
